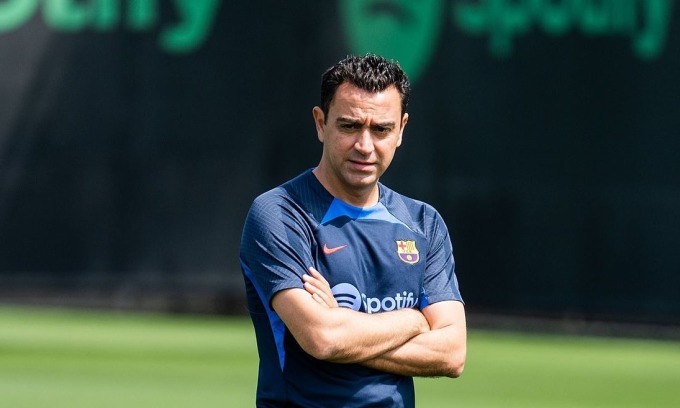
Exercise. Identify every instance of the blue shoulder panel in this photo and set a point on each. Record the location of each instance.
(339, 208)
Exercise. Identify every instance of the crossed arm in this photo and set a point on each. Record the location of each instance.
(406, 341)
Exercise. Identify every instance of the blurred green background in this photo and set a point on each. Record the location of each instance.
(134, 134)
(58, 358)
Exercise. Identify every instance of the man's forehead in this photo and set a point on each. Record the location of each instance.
(350, 88)
(350, 100)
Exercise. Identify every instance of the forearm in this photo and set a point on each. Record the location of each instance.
(344, 335)
(357, 337)
(438, 352)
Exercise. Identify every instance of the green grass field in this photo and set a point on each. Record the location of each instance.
(78, 359)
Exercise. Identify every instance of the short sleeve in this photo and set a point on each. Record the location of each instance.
(276, 244)
(440, 282)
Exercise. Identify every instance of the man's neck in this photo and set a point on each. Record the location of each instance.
(362, 198)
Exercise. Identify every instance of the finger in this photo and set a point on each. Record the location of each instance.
(319, 300)
(317, 274)
(311, 279)
(309, 287)
(316, 279)
(327, 295)
(318, 295)
(318, 284)
(314, 285)
(328, 300)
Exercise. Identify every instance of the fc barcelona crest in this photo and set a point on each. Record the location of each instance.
(408, 252)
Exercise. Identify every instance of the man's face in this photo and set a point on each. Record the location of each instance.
(360, 136)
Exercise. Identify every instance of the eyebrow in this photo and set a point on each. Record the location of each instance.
(343, 119)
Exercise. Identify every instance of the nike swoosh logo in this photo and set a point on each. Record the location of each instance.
(328, 251)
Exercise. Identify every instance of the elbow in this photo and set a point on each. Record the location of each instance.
(456, 365)
(321, 347)
(457, 371)
(323, 352)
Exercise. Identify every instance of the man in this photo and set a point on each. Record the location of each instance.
(350, 285)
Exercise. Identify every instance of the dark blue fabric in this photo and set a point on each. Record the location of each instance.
(393, 255)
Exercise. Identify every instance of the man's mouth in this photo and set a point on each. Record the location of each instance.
(361, 164)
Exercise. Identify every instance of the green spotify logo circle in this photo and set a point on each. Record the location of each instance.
(404, 30)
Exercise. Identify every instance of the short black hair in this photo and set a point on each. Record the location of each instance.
(370, 72)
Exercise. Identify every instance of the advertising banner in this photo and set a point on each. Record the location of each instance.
(134, 134)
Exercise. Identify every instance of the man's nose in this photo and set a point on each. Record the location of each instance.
(364, 143)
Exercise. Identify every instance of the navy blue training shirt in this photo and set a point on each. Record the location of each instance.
(393, 255)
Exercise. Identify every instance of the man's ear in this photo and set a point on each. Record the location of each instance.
(404, 120)
(319, 122)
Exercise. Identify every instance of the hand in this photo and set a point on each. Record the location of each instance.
(319, 288)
